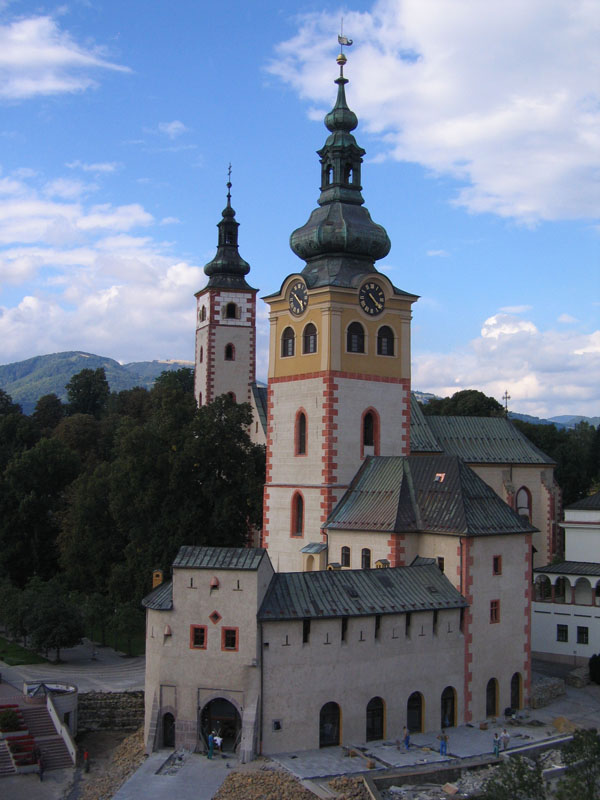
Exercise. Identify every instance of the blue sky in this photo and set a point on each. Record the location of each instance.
(481, 123)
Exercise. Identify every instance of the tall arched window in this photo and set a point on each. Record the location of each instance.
(523, 503)
(229, 352)
(345, 557)
(203, 313)
(231, 311)
(297, 515)
(365, 558)
(355, 339)
(375, 719)
(201, 358)
(309, 339)
(491, 698)
(385, 341)
(231, 396)
(300, 434)
(287, 342)
(369, 434)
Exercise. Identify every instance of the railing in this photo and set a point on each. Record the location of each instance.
(62, 730)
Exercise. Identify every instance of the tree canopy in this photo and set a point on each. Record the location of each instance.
(467, 403)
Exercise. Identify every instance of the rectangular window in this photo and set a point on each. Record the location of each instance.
(305, 631)
(440, 562)
(495, 611)
(562, 633)
(229, 639)
(198, 637)
(377, 625)
(344, 628)
(497, 565)
(407, 624)
(582, 635)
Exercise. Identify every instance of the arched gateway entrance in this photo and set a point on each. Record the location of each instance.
(221, 716)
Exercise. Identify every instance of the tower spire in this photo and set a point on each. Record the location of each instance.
(227, 269)
(340, 242)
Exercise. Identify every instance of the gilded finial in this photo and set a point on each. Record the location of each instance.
(343, 42)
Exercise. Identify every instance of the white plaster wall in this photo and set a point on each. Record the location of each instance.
(545, 618)
(499, 649)
(582, 536)
(299, 679)
(232, 376)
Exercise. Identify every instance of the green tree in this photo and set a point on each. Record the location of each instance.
(6, 404)
(88, 392)
(581, 757)
(81, 433)
(97, 611)
(517, 778)
(467, 403)
(53, 621)
(176, 380)
(127, 621)
(48, 412)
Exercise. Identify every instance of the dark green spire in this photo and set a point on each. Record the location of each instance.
(340, 242)
(227, 269)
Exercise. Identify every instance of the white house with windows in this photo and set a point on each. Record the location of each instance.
(566, 608)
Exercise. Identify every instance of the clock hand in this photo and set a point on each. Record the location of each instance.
(375, 301)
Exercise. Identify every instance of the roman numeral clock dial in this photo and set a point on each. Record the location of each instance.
(371, 298)
(298, 298)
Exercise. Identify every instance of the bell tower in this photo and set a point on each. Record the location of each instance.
(226, 320)
(339, 360)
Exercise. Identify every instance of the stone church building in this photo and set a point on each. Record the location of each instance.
(392, 585)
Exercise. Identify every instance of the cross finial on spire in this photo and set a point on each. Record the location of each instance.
(506, 398)
(229, 185)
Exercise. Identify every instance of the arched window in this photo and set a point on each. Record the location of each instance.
(491, 698)
(516, 691)
(375, 718)
(385, 341)
(203, 313)
(523, 503)
(329, 725)
(309, 339)
(201, 358)
(287, 342)
(229, 352)
(414, 713)
(448, 707)
(355, 339)
(365, 558)
(345, 558)
(297, 515)
(328, 175)
(231, 396)
(369, 434)
(200, 399)
(231, 311)
(300, 434)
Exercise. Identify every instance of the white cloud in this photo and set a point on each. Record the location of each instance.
(38, 58)
(101, 166)
(567, 319)
(546, 372)
(172, 129)
(90, 281)
(437, 254)
(67, 189)
(501, 95)
(515, 309)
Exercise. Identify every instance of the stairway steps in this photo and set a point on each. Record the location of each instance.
(6, 764)
(38, 722)
(55, 754)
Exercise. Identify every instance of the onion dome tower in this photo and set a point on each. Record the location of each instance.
(226, 320)
(339, 359)
(340, 242)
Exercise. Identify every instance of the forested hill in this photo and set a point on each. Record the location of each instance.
(27, 381)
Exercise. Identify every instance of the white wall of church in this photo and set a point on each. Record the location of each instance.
(351, 673)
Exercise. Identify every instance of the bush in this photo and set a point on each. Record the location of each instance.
(9, 720)
(595, 668)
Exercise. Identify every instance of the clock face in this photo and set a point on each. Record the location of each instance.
(298, 298)
(371, 298)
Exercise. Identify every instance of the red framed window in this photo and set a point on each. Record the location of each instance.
(198, 637)
(300, 434)
(230, 639)
(495, 611)
(297, 520)
(496, 565)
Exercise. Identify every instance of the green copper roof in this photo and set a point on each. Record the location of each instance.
(434, 493)
(422, 439)
(340, 242)
(357, 593)
(161, 598)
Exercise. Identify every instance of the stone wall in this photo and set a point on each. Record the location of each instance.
(110, 711)
(545, 690)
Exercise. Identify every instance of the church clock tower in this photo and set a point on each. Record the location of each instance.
(226, 321)
(339, 360)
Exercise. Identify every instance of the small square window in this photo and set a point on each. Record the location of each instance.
(276, 724)
(495, 611)
(198, 637)
(582, 635)
(229, 639)
(497, 565)
(562, 633)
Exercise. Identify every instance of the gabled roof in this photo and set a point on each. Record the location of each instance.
(247, 558)
(358, 593)
(477, 440)
(422, 439)
(161, 598)
(591, 503)
(435, 493)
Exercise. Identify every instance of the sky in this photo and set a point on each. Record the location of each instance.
(481, 123)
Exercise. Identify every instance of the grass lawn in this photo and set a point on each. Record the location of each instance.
(14, 655)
